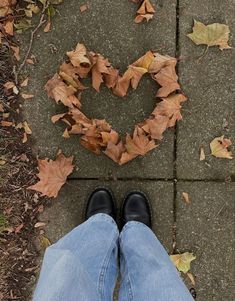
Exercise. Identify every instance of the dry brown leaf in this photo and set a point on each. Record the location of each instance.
(6, 123)
(47, 27)
(16, 51)
(186, 198)
(9, 85)
(114, 151)
(8, 27)
(140, 144)
(145, 12)
(191, 278)
(39, 225)
(25, 82)
(141, 18)
(59, 91)
(99, 68)
(53, 175)
(70, 75)
(170, 107)
(202, 154)
(219, 147)
(30, 61)
(83, 8)
(156, 126)
(79, 57)
(27, 96)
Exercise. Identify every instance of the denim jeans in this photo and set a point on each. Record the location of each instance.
(83, 265)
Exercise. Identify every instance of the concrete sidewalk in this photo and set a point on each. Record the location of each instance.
(206, 226)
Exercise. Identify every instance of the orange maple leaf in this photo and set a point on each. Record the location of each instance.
(53, 174)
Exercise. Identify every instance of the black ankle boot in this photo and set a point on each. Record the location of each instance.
(136, 207)
(101, 201)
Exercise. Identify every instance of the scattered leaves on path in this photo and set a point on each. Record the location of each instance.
(182, 261)
(211, 35)
(219, 147)
(53, 174)
(97, 135)
(44, 242)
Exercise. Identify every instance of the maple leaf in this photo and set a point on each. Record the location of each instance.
(182, 261)
(219, 147)
(59, 91)
(145, 11)
(69, 73)
(140, 144)
(111, 78)
(163, 68)
(114, 151)
(53, 174)
(79, 57)
(131, 76)
(145, 60)
(100, 67)
(215, 34)
(156, 126)
(170, 107)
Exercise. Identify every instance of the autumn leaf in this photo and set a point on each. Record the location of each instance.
(83, 8)
(182, 261)
(170, 107)
(219, 147)
(59, 91)
(100, 67)
(145, 12)
(202, 154)
(114, 151)
(186, 198)
(156, 126)
(8, 27)
(78, 57)
(140, 144)
(215, 34)
(53, 174)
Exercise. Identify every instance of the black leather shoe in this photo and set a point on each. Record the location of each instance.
(100, 201)
(136, 207)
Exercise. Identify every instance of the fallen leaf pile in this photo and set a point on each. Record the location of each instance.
(145, 11)
(53, 174)
(182, 261)
(97, 135)
(215, 34)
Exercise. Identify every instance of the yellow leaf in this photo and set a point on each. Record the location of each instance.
(211, 35)
(182, 261)
(44, 241)
(219, 147)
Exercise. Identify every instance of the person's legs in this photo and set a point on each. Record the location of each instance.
(83, 264)
(147, 271)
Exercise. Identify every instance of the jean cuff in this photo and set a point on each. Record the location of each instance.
(132, 224)
(100, 217)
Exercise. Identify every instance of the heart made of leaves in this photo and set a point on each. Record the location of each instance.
(96, 134)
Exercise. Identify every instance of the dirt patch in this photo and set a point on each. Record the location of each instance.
(19, 207)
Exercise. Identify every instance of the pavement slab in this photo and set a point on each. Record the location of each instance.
(107, 27)
(209, 84)
(206, 228)
(66, 212)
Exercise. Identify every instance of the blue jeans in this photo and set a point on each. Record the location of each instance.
(83, 265)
